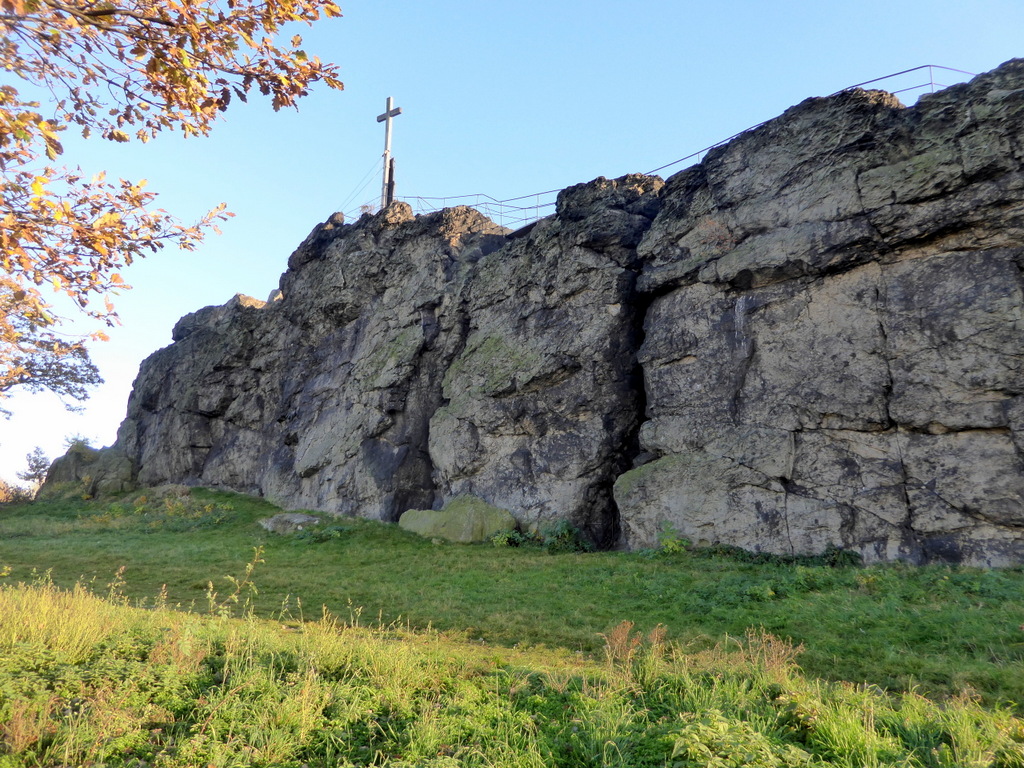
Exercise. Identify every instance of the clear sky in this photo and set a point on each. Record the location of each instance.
(504, 99)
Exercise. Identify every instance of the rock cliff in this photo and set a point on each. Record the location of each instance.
(812, 338)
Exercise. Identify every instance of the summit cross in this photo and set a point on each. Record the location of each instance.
(387, 192)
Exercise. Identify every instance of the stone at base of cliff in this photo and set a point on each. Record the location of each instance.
(288, 522)
(464, 519)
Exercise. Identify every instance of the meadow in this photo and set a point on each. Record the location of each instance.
(176, 632)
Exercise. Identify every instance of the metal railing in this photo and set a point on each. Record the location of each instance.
(512, 213)
(517, 212)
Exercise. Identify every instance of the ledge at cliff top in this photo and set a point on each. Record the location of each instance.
(811, 339)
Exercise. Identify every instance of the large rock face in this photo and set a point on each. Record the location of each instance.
(321, 399)
(813, 338)
(542, 406)
(833, 350)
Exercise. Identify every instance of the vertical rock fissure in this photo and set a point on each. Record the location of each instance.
(422, 489)
(632, 454)
(881, 303)
(639, 304)
(414, 484)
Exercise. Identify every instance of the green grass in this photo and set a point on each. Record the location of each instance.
(87, 681)
(952, 634)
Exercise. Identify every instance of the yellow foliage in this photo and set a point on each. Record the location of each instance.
(163, 64)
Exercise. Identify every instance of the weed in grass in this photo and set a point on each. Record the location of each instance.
(711, 740)
(512, 538)
(556, 538)
(322, 534)
(28, 723)
(243, 587)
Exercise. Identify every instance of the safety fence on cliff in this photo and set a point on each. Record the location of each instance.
(517, 212)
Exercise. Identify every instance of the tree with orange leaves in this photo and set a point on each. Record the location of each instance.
(124, 71)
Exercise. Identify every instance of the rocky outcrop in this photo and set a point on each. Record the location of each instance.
(542, 405)
(89, 471)
(321, 399)
(833, 352)
(811, 339)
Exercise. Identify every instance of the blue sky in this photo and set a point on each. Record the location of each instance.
(504, 99)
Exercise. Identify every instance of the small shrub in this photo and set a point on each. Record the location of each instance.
(320, 535)
(14, 494)
(670, 542)
(563, 536)
(833, 557)
(511, 538)
(810, 579)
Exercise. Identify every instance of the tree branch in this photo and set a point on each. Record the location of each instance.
(89, 16)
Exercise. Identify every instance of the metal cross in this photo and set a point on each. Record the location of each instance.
(387, 192)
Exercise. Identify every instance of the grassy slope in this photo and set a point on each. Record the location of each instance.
(88, 682)
(935, 630)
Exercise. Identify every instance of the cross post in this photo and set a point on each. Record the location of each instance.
(387, 191)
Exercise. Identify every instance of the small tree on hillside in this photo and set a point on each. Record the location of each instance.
(124, 70)
(38, 466)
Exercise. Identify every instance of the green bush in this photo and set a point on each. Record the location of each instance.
(670, 542)
(511, 538)
(320, 535)
(563, 536)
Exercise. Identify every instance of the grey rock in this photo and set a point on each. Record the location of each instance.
(810, 339)
(542, 403)
(169, 491)
(833, 349)
(90, 471)
(322, 398)
(463, 519)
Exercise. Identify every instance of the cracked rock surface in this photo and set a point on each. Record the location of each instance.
(811, 339)
(833, 353)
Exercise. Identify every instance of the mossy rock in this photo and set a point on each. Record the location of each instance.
(464, 519)
(88, 471)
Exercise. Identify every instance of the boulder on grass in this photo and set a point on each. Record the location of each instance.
(464, 519)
